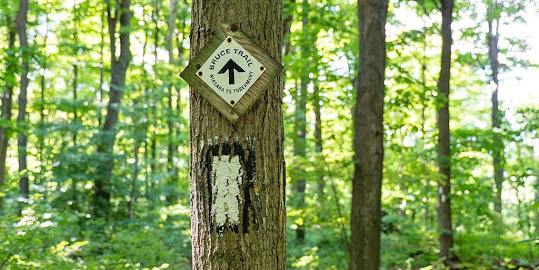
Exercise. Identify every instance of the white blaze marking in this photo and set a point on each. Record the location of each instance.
(443, 198)
(227, 178)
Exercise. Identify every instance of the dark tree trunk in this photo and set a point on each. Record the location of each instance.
(493, 23)
(300, 121)
(171, 151)
(131, 203)
(171, 28)
(318, 147)
(426, 181)
(7, 103)
(287, 22)
(117, 84)
(154, 103)
(101, 71)
(444, 152)
(21, 22)
(75, 70)
(75, 113)
(253, 235)
(368, 137)
(41, 137)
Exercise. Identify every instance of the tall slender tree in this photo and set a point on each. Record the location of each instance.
(368, 137)
(172, 148)
(75, 82)
(318, 141)
(493, 20)
(300, 117)
(21, 21)
(444, 152)
(7, 102)
(253, 235)
(117, 85)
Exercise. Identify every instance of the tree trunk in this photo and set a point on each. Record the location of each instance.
(75, 113)
(318, 148)
(536, 185)
(287, 22)
(171, 28)
(300, 119)
(101, 70)
(75, 71)
(171, 167)
(7, 103)
(426, 181)
(41, 137)
(243, 160)
(154, 103)
(368, 137)
(444, 153)
(131, 203)
(493, 23)
(21, 118)
(117, 83)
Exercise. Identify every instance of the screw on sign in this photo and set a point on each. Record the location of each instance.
(231, 72)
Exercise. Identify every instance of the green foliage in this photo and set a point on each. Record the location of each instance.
(149, 227)
(43, 238)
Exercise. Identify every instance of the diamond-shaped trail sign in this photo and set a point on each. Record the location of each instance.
(231, 72)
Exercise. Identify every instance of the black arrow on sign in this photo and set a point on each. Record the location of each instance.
(230, 66)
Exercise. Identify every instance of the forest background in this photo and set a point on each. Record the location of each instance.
(50, 223)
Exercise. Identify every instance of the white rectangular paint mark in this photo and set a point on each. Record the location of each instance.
(227, 178)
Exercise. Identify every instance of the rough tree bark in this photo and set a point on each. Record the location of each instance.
(444, 152)
(368, 137)
(21, 118)
(7, 103)
(117, 83)
(493, 36)
(253, 235)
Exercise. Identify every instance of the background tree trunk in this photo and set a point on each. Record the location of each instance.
(117, 83)
(493, 36)
(172, 140)
(7, 103)
(300, 120)
(444, 152)
(287, 22)
(101, 70)
(368, 137)
(318, 141)
(254, 237)
(21, 118)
